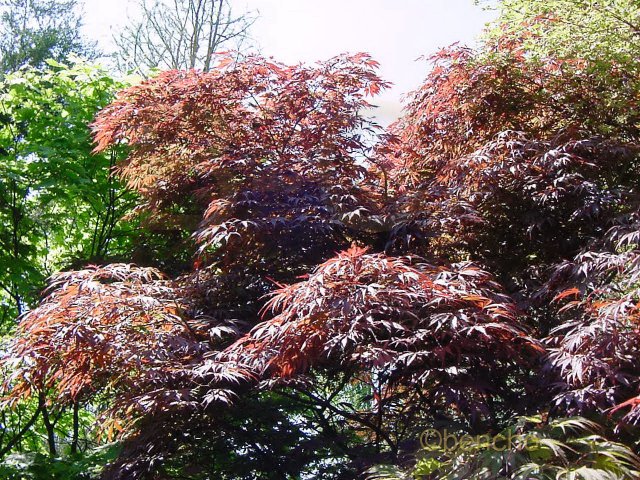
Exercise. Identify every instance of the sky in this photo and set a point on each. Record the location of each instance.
(395, 32)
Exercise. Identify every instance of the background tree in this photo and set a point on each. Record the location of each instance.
(180, 34)
(32, 31)
(599, 31)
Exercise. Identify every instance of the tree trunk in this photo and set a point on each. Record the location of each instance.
(51, 437)
(76, 428)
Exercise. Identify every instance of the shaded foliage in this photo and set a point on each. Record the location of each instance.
(530, 448)
(594, 349)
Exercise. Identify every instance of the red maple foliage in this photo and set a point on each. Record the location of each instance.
(510, 160)
(526, 165)
(121, 330)
(594, 350)
(445, 332)
(272, 158)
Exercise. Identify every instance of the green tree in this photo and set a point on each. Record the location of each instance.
(58, 202)
(598, 31)
(32, 31)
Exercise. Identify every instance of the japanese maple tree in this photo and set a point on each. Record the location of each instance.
(526, 164)
(277, 164)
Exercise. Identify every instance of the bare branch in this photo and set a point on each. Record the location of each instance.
(180, 34)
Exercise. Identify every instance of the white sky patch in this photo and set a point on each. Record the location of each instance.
(395, 32)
